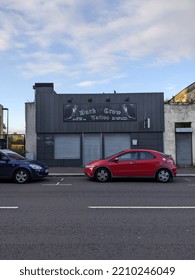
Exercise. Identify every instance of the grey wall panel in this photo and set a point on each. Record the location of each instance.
(49, 112)
(153, 141)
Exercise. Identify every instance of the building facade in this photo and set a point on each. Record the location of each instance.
(73, 129)
(179, 136)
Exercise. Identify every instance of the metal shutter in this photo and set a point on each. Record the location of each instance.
(67, 146)
(91, 147)
(114, 142)
(184, 149)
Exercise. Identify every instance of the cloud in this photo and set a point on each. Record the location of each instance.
(90, 83)
(94, 82)
(4, 42)
(40, 63)
(7, 32)
(41, 69)
(87, 83)
(96, 36)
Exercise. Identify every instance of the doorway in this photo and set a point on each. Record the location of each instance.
(184, 149)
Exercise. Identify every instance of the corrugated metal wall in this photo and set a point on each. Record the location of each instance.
(52, 124)
(49, 112)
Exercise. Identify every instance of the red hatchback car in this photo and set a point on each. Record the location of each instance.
(133, 163)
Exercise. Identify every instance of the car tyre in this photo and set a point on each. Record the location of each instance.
(163, 176)
(102, 175)
(21, 176)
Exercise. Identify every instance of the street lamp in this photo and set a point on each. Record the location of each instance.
(6, 109)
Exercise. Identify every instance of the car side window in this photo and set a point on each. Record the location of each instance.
(128, 156)
(146, 155)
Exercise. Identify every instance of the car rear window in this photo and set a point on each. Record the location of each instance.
(165, 155)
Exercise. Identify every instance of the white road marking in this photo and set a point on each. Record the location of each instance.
(57, 184)
(9, 207)
(185, 175)
(141, 207)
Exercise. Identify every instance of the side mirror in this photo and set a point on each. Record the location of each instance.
(116, 159)
(5, 159)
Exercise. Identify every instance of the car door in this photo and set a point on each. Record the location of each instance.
(125, 165)
(5, 167)
(147, 164)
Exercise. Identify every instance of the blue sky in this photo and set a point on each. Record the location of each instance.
(88, 46)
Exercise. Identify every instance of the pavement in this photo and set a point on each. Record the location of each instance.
(79, 171)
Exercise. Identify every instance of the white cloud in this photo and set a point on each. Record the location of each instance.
(87, 83)
(3, 42)
(98, 36)
(90, 83)
(40, 69)
(41, 63)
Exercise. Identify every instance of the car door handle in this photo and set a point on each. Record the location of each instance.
(132, 162)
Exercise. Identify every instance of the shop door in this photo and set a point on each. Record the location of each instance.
(114, 142)
(184, 149)
(91, 147)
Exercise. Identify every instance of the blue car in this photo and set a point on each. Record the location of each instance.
(20, 169)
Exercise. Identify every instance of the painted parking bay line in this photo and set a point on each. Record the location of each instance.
(186, 179)
(141, 207)
(57, 184)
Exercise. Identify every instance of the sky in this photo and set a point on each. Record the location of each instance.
(90, 46)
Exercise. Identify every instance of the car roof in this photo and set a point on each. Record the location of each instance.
(139, 150)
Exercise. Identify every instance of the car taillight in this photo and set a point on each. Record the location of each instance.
(170, 160)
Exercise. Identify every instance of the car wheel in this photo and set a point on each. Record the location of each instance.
(102, 175)
(163, 175)
(21, 176)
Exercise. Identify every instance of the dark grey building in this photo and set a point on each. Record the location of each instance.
(73, 129)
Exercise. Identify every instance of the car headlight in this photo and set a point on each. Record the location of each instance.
(36, 167)
(91, 167)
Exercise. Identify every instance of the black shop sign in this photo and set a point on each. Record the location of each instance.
(99, 112)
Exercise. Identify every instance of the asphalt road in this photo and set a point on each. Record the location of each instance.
(75, 218)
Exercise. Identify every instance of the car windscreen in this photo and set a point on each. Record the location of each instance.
(15, 156)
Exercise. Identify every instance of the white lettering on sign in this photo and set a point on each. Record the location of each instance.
(112, 111)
